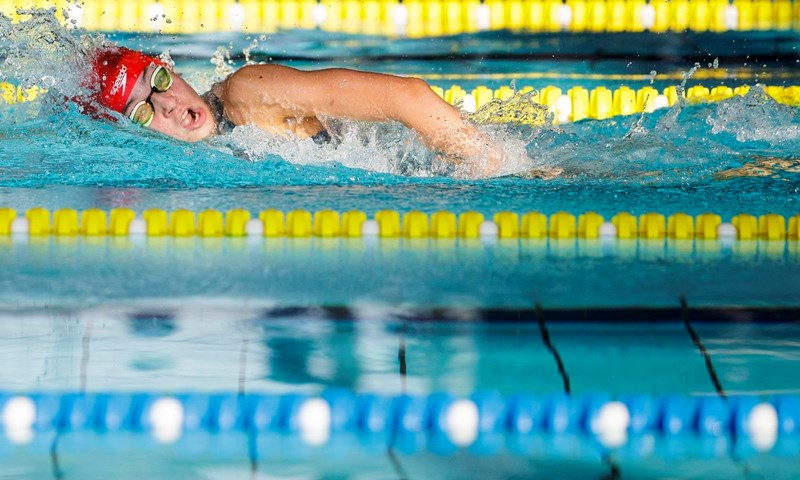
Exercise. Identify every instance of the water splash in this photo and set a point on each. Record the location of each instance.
(40, 51)
(684, 144)
(681, 88)
(222, 63)
(385, 147)
(519, 109)
(756, 117)
(45, 143)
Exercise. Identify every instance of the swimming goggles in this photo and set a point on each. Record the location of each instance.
(144, 111)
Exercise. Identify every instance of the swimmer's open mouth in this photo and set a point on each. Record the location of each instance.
(192, 119)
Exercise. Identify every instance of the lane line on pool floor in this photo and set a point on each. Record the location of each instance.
(614, 471)
(401, 359)
(58, 474)
(243, 365)
(398, 467)
(86, 354)
(545, 333)
(403, 366)
(712, 373)
(252, 434)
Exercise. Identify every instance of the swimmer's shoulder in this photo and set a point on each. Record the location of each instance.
(257, 76)
(254, 94)
(249, 85)
(261, 85)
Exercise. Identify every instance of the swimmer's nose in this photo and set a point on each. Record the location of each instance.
(164, 102)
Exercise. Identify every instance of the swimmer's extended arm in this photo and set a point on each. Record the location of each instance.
(370, 97)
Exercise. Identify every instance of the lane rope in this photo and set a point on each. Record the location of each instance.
(461, 420)
(418, 18)
(124, 222)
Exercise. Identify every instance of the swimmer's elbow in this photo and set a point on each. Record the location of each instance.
(415, 88)
(413, 94)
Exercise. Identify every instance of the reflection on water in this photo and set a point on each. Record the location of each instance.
(236, 349)
(151, 324)
(762, 167)
(75, 272)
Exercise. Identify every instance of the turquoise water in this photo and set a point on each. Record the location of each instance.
(674, 160)
(251, 350)
(224, 457)
(736, 156)
(671, 162)
(466, 274)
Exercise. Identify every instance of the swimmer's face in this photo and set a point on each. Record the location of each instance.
(178, 112)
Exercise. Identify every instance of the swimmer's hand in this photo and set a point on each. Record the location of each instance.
(492, 165)
(472, 153)
(481, 162)
(541, 173)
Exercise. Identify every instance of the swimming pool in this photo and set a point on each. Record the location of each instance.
(243, 376)
(655, 273)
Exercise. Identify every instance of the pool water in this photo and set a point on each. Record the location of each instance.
(731, 157)
(249, 351)
(184, 348)
(465, 274)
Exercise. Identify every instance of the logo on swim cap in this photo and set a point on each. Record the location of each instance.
(114, 68)
(120, 81)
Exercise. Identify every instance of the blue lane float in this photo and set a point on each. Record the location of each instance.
(439, 415)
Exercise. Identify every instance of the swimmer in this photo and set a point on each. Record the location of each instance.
(285, 101)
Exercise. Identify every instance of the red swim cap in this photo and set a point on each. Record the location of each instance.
(117, 69)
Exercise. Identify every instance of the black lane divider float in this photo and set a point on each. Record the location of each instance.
(712, 373)
(549, 344)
